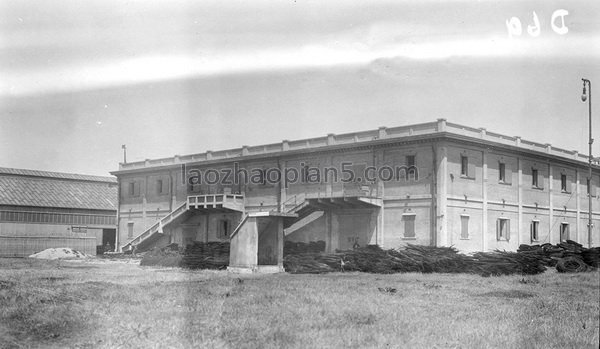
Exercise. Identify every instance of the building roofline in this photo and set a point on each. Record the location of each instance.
(382, 135)
(56, 175)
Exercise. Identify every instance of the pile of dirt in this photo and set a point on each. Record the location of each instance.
(59, 253)
(568, 256)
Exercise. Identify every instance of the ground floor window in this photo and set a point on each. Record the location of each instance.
(130, 229)
(223, 228)
(464, 226)
(564, 231)
(534, 230)
(409, 226)
(503, 229)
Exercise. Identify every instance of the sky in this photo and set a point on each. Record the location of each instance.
(79, 79)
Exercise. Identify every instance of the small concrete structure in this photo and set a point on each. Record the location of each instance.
(257, 243)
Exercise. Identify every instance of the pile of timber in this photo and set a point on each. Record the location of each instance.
(414, 258)
(568, 256)
(163, 257)
(290, 247)
(206, 255)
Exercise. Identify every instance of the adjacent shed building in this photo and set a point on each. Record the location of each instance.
(435, 183)
(40, 210)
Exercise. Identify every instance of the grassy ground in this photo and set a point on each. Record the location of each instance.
(107, 304)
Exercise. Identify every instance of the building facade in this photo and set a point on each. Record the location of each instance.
(436, 183)
(40, 210)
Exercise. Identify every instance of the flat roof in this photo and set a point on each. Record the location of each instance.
(381, 135)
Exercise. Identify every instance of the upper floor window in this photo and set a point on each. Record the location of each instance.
(464, 166)
(502, 172)
(535, 180)
(159, 186)
(563, 183)
(410, 160)
(133, 189)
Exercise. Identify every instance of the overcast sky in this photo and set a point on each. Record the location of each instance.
(78, 79)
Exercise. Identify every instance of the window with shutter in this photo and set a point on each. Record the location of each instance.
(534, 230)
(508, 174)
(503, 229)
(409, 226)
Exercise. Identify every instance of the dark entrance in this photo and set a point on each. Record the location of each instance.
(109, 236)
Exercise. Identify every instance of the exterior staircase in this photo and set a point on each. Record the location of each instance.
(196, 203)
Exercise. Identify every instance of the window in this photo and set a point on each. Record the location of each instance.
(534, 230)
(409, 225)
(502, 172)
(503, 229)
(464, 166)
(79, 229)
(563, 183)
(223, 229)
(134, 189)
(410, 160)
(590, 188)
(130, 230)
(534, 178)
(564, 231)
(464, 226)
(159, 186)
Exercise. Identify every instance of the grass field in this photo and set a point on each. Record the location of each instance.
(119, 305)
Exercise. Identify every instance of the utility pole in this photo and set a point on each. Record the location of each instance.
(585, 96)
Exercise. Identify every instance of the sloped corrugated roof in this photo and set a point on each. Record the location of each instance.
(52, 189)
(58, 175)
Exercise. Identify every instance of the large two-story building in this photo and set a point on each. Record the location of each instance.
(435, 183)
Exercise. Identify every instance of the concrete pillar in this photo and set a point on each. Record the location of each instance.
(443, 238)
(578, 208)
(484, 202)
(144, 203)
(331, 243)
(330, 139)
(206, 221)
(280, 242)
(520, 201)
(441, 125)
(550, 204)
